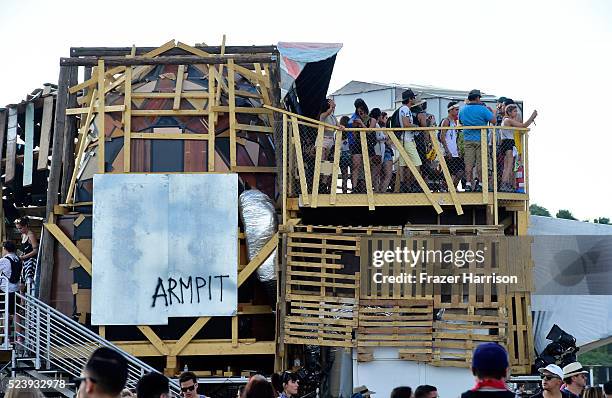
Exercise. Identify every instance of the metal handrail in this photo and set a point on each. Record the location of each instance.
(4, 314)
(55, 339)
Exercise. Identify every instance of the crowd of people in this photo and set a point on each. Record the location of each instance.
(106, 373)
(460, 148)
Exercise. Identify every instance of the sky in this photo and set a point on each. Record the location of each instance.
(554, 55)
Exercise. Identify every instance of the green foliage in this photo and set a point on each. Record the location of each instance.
(537, 210)
(602, 220)
(565, 214)
(598, 356)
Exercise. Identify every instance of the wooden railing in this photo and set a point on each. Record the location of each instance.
(306, 166)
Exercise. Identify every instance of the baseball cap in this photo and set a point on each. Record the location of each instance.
(490, 356)
(554, 369)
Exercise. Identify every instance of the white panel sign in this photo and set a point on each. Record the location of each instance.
(164, 245)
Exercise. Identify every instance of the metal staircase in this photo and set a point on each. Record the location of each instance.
(49, 345)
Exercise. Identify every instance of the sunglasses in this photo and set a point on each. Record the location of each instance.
(190, 388)
(548, 378)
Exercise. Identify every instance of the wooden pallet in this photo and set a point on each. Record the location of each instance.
(324, 321)
(520, 336)
(406, 324)
(324, 265)
(453, 230)
(458, 331)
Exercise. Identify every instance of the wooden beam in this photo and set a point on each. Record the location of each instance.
(232, 113)
(167, 60)
(189, 335)
(127, 122)
(211, 118)
(336, 167)
(256, 261)
(169, 136)
(83, 141)
(169, 112)
(154, 339)
(214, 347)
(45, 134)
(250, 127)
(447, 176)
(367, 170)
(69, 246)
(495, 202)
(414, 171)
(106, 51)
(101, 125)
(284, 170)
(180, 75)
(317, 170)
(300, 160)
(484, 166)
(82, 111)
(235, 331)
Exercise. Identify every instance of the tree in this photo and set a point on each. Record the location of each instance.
(565, 214)
(537, 210)
(602, 220)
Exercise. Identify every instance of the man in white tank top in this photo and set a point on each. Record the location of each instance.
(449, 142)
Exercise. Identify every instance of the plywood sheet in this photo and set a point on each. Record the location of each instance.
(45, 133)
(185, 228)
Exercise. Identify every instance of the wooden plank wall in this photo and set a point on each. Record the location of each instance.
(439, 325)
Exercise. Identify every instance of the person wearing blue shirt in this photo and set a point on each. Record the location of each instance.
(474, 113)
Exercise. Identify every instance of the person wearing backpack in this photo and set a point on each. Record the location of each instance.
(10, 267)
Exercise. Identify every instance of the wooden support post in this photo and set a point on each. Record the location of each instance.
(447, 176)
(367, 170)
(102, 331)
(317, 166)
(189, 335)
(127, 122)
(28, 159)
(220, 76)
(484, 163)
(494, 156)
(101, 126)
(284, 170)
(300, 160)
(47, 244)
(212, 115)
(171, 368)
(335, 168)
(235, 331)
(232, 112)
(68, 141)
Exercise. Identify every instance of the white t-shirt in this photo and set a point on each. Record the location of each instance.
(451, 139)
(6, 270)
(405, 112)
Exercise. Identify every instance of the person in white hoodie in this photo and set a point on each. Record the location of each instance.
(10, 268)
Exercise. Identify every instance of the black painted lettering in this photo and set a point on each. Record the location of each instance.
(171, 286)
(186, 286)
(221, 285)
(198, 285)
(160, 285)
(209, 288)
